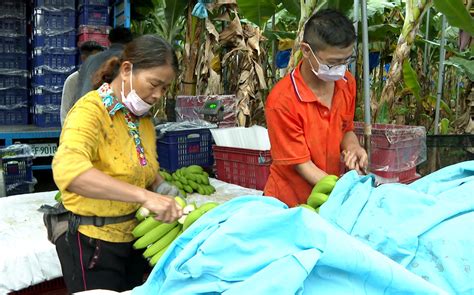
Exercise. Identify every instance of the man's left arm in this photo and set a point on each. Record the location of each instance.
(355, 156)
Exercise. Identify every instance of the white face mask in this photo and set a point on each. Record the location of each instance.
(133, 102)
(328, 74)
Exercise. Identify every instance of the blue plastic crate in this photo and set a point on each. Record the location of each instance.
(185, 147)
(65, 39)
(49, 78)
(93, 15)
(8, 80)
(12, 25)
(13, 61)
(17, 170)
(13, 44)
(64, 61)
(54, 20)
(55, 3)
(14, 8)
(18, 116)
(42, 96)
(47, 119)
(13, 96)
(93, 2)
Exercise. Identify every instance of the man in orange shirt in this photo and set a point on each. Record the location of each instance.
(310, 112)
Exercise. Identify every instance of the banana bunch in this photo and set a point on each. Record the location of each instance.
(320, 193)
(156, 236)
(190, 179)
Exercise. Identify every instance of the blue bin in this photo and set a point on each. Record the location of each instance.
(49, 79)
(14, 8)
(65, 39)
(17, 80)
(13, 96)
(54, 20)
(18, 116)
(12, 44)
(12, 25)
(43, 96)
(185, 147)
(64, 61)
(55, 3)
(94, 2)
(52, 119)
(93, 15)
(13, 61)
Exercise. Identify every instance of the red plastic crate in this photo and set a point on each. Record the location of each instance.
(55, 286)
(102, 39)
(396, 150)
(244, 167)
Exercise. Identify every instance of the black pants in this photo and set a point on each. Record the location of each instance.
(89, 263)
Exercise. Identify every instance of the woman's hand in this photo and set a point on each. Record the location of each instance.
(165, 208)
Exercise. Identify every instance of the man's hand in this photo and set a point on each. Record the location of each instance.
(355, 158)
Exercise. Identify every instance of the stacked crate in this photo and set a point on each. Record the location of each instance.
(54, 57)
(93, 21)
(13, 63)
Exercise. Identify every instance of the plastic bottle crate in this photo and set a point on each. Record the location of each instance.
(43, 96)
(13, 96)
(102, 39)
(54, 20)
(55, 60)
(12, 25)
(185, 147)
(244, 167)
(93, 15)
(14, 8)
(55, 3)
(94, 2)
(13, 44)
(8, 80)
(49, 79)
(396, 150)
(18, 116)
(47, 119)
(13, 61)
(17, 170)
(65, 39)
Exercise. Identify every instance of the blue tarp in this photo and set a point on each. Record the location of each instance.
(393, 239)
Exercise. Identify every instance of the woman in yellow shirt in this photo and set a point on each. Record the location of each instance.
(106, 167)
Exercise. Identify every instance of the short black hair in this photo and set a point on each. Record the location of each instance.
(88, 47)
(329, 28)
(120, 35)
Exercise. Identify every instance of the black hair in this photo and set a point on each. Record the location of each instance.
(144, 52)
(90, 46)
(329, 28)
(120, 35)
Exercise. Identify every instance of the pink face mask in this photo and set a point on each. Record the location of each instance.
(133, 102)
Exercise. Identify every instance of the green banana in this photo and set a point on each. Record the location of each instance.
(188, 188)
(145, 226)
(180, 201)
(191, 218)
(194, 169)
(208, 206)
(163, 242)
(324, 186)
(332, 177)
(183, 193)
(57, 197)
(157, 256)
(183, 180)
(317, 199)
(154, 235)
(193, 184)
(201, 190)
(190, 177)
(204, 179)
(178, 184)
(205, 174)
(175, 177)
(166, 176)
(307, 207)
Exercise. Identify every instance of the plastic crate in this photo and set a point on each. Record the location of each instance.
(94, 2)
(13, 61)
(44, 96)
(55, 286)
(47, 119)
(102, 39)
(10, 44)
(65, 39)
(185, 147)
(244, 167)
(93, 15)
(56, 3)
(17, 163)
(54, 20)
(18, 116)
(65, 60)
(49, 78)
(12, 25)
(14, 8)
(17, 80)
(13, 96)
(396, 150)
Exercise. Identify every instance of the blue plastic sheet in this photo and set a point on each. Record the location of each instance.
(392, 239)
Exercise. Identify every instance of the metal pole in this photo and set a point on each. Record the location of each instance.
(427, 46)
(365, 50)
(356, 45)
(442, 54)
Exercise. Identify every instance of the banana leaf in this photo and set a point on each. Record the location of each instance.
(456, 14)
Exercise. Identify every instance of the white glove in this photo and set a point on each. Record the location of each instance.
(168, 189)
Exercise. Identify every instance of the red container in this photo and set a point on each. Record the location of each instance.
(55, 286)
(396, 150)
(93, 33)
(244, 167)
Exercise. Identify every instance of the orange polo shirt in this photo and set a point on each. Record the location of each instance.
(303, 129)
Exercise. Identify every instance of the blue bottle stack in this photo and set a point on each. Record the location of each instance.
(13, 63)
(53, 57)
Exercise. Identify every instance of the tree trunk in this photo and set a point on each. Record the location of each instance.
(191, 51)
(414, 14)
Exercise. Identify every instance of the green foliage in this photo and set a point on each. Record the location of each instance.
(411, 79)
(444, 126)
(465, 65)
(456, 14)
(258, 12)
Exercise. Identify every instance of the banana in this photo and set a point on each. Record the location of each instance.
(178, 184)
(142, 213)
(190, 176)
(324, 186)
(145, 226)
(205, 174)
(194, 169)
(201, 190)
(183, 180)
(332, 177)
(188, 188)
(191, 218)
(154, 235)
(204, 179)
(307, 207)
(57, 197)
(180, 201)
(157, 256)
(317, 199)
(163, 242)
(166, 176)
(208, 206)
(183, 193)
(192, 184)
(174, 176)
